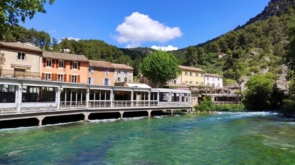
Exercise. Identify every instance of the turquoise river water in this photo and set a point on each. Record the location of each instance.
(222, 138)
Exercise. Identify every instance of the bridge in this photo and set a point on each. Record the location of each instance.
(34, 98)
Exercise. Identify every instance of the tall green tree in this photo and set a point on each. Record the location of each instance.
(258, 94)
(191, 56)
(160, 67)
(13, 10)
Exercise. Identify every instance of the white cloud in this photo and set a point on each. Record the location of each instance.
(52, 31)
(164, 48)
(70, 38)
(138, 28)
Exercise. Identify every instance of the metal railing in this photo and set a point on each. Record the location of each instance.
(227, 102)
(99, 104)
(12, 73)
(37, 106)
(72, 104)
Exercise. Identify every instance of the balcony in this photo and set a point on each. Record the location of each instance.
(19, 74)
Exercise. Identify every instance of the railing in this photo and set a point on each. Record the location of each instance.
(12, 73)
(38, 107)
(92, 104)
(8, 110)
(99, 104)
(72, 104)
(173, 104)
(227, 102)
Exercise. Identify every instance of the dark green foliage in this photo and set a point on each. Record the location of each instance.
(258, 94)
(19, 33)
(247, 46)
(13, 10)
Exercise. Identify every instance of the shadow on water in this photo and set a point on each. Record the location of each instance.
(62, 119)
(19, 123)
(114, 115)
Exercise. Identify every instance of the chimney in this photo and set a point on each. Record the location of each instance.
(127, 64)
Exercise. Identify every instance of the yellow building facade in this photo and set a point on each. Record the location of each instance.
(190, 76)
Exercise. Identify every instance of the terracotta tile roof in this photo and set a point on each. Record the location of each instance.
(100, 64)
(122, 66)
(212, 75)
(19, 45)
(65, 56)
(190, 68)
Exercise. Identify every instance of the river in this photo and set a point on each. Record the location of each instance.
(222, 138)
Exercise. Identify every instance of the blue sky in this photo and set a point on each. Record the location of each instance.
(145, 23)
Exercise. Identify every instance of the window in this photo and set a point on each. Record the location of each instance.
(190, 73)
(48, 63)
(74, 78)
(125, 79)
(38, 94)
(208, 78)
(106, 71)
(202, 83)
(47, 76)
(61, 64)
(218, 79)
(21, 56)
(75, 65)
(7, 93)
(197, 75)
(190, 82)
(106, 81)
(125, 72)
(185, 73)
(90, 80)
(197, 82)
(186, 82)
(218, 85)
(60, 77)
(19, 70)
(119, 79)
(174, 81)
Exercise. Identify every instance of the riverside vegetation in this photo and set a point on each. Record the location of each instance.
(206, 105)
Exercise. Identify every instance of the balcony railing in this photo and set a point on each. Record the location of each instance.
(12, 73)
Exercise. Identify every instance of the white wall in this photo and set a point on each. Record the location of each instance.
(214, 81)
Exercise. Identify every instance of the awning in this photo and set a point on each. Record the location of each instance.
(21, 65)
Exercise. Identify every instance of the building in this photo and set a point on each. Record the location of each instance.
(189, 76)
(101, 73)
(65, 67)
(214, 80)
(20, 60)
(123, 73)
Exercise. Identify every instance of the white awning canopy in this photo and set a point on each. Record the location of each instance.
(137, 85)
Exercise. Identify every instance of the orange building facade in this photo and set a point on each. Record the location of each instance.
(65, 67)
(101, 73)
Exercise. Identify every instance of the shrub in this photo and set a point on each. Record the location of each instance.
(288, 107)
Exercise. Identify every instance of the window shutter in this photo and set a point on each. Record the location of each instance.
(43, 76)
(44, 62)
(103, 81)
(109, 82)
(56, 76)
(78, 63)
(65, 64)
(78, 79)
(70, 78)
(92, 80)
(56, 63)
(65, 77)
(71, 65)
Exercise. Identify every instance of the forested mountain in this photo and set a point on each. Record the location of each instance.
(258, 46)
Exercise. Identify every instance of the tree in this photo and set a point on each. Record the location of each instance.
(191, 55)
(258, 94)
(13, 10)
(160, 67)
